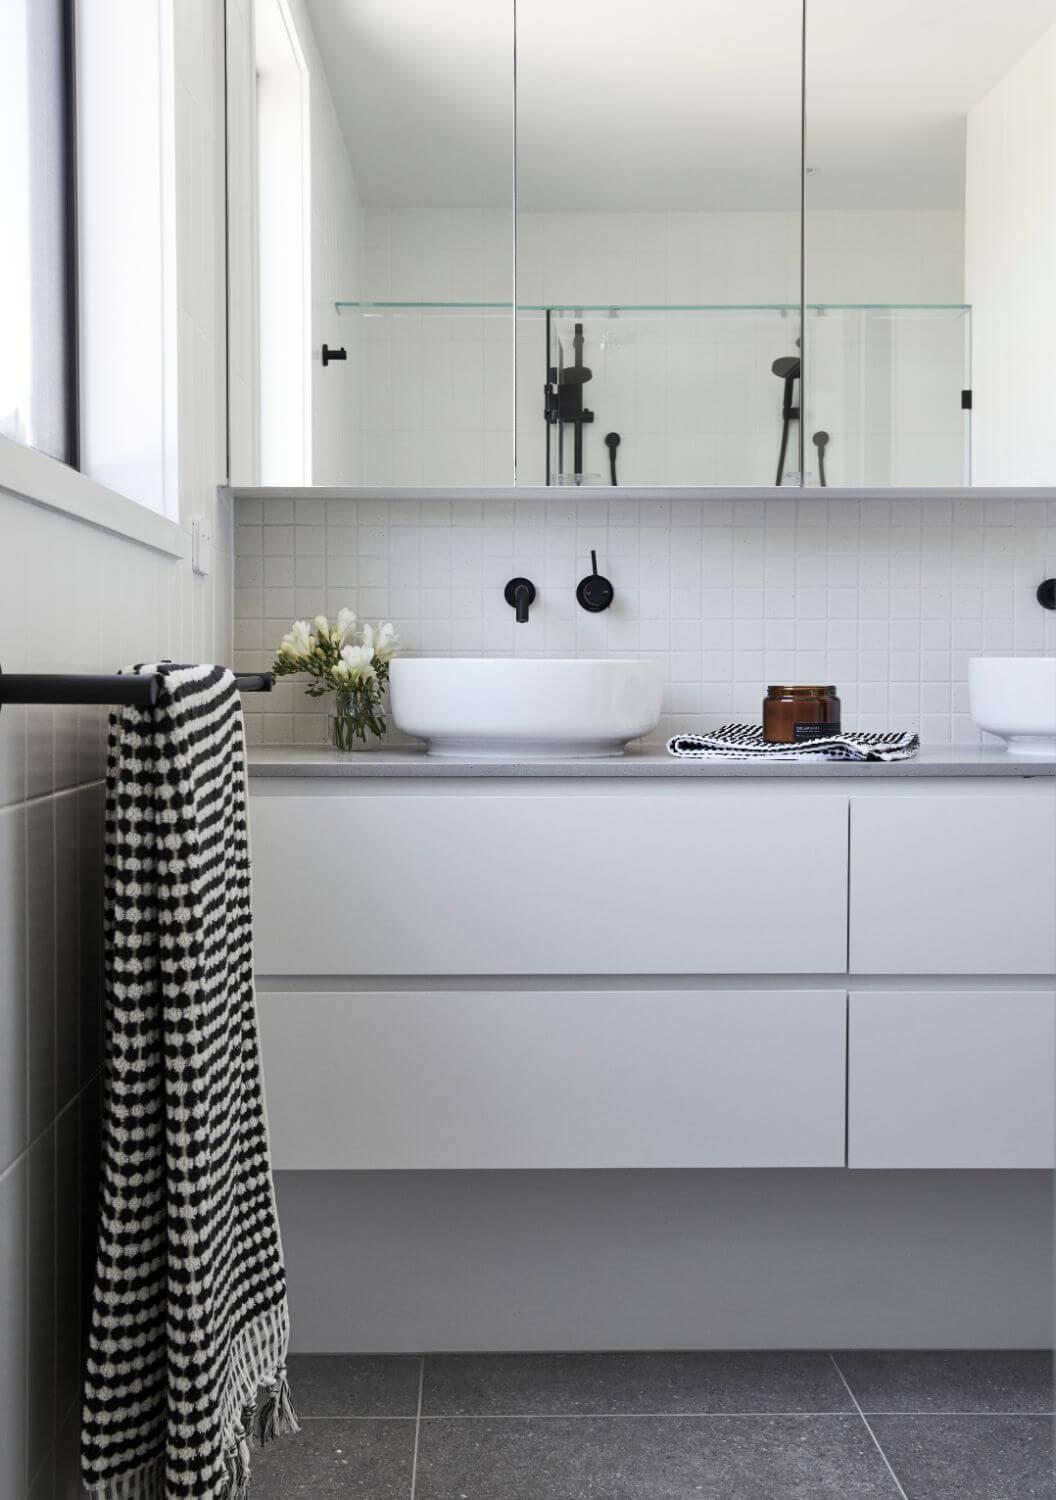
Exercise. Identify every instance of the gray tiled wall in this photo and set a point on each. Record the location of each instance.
(50, 942)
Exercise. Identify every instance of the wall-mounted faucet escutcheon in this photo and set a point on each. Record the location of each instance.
(594, 592)
(520, 595)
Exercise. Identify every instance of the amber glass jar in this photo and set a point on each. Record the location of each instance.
(800, 713)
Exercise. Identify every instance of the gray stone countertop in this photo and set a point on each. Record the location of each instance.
(639, 762)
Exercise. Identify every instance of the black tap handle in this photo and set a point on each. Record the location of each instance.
(594, 593)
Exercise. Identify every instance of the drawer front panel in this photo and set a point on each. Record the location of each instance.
(628, 884)
(953, 885)
(958, 1078)
(515, 1079)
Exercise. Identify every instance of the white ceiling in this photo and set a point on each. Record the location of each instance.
(665, 104)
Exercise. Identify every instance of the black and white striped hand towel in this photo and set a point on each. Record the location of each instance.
(745, 742)
(189, 1326)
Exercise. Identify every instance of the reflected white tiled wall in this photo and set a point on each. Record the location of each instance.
(885, 598)
(337, 255)
(337, 274)
(1009, 275)
(692, 396)
(75, 598)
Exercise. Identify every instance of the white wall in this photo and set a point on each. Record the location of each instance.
(1010, 255)
(885, 598)
(79, 599)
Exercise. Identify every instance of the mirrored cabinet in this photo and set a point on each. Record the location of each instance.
(740, 243)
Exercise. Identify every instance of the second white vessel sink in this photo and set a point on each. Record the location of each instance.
(502, 707)
(1015, 697)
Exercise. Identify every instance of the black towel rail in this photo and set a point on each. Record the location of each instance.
(70, 687)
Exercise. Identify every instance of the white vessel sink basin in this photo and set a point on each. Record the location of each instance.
(501, 707)
(1015, 697)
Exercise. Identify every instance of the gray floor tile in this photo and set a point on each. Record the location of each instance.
(970, 1458)
(355, 1385)
(599, 1384)
(365, 1460)
(953, 1380)
(650, 1458)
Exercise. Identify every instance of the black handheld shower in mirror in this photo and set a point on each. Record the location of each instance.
(787, 368)
(820, 441)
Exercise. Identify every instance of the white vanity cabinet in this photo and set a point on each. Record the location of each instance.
(951, 1078)
(953, 884)
(535, 882)
(522, 973)
(556, 1078)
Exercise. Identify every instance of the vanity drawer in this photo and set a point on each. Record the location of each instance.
(556, 1079)
(952, 1078)
(954, 885)
(549, 884)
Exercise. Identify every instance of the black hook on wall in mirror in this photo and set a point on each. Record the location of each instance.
(332, 354)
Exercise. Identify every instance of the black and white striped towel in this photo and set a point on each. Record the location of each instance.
(745, 742)
(189, 1327)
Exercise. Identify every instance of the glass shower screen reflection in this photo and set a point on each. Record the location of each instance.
(929, 201)
(658, 240)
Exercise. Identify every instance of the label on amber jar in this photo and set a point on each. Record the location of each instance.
(814, 731)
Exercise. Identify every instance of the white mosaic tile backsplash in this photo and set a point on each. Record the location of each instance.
(885, 598)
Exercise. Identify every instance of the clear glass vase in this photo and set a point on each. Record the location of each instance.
(357, 721)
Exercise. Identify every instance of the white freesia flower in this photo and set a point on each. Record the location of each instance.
(298, 640)
(387, 643)
(382, 642)
(358, 660)
(346, 624)
(321, 626)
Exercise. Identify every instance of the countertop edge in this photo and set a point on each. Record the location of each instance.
(934, 763)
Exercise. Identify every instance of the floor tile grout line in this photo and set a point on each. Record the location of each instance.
(417, 1423)
(691, 1416)
(594, 1416)
(869, 1430)
(983, 1416)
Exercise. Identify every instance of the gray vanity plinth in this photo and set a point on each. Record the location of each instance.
(642, 762)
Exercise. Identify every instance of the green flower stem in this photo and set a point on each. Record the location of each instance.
(357, 713)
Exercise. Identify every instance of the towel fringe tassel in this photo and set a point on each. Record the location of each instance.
(277, 1417)
(238, 1461)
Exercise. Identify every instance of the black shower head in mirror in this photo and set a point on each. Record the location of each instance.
(787, 367)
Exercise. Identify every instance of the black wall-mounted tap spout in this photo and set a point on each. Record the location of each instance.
(520, 595)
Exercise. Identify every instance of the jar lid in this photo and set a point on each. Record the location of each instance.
(801, 691)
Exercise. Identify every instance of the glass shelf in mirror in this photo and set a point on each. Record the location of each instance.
(662, 309)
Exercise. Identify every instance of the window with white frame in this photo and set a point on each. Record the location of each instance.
(36, 361)
(88, 320)
(127, 248)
